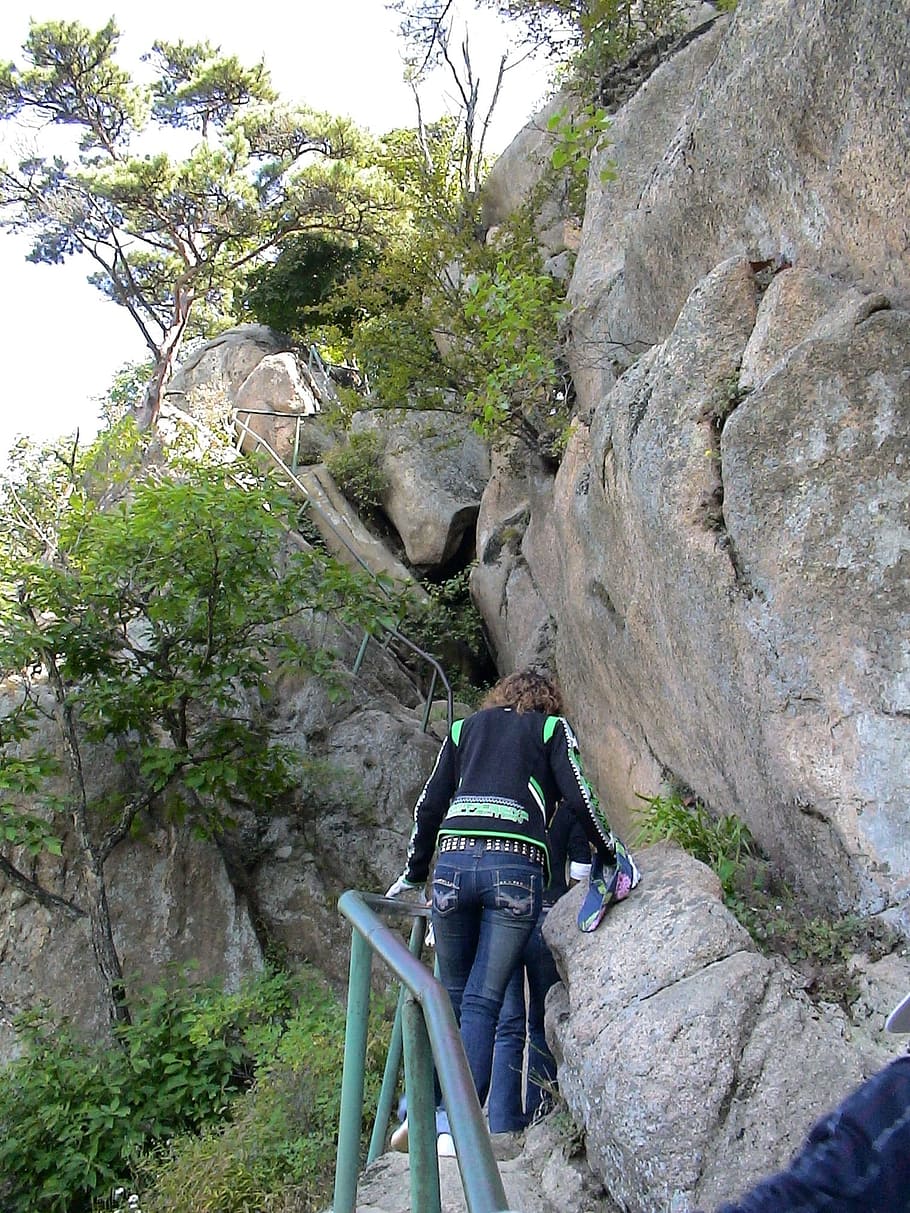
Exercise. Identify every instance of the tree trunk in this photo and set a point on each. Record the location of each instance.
(102, 933)
(147, 413)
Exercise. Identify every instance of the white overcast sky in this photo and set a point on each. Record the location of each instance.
(61, 341)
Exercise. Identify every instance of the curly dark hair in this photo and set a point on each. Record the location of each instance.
(525, 691)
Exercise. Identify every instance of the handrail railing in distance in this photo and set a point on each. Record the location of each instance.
(437, 670)
(430, 1038)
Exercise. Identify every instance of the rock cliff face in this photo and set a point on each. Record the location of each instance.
(723, 553)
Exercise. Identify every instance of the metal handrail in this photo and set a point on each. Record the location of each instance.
(430, 1038)
(394, 633)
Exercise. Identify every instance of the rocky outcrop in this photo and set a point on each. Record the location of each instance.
(224, 363)
(349, 831)
(514, 612)
(437, 468)
(690, 1064)
(675, 974)
(781, 134)
(279, 402)
(345, 534)
(606, 338)
(172, 904)
(733, 536)
(721, 558)
(693, 1064)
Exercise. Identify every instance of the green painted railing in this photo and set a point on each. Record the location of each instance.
(427, 1034)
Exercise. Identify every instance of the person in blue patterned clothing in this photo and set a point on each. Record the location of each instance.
(497, 781)
(857, 1158)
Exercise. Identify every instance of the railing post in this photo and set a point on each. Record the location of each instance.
(418, 1076)
(362, 652)
(295, 454)
(393, 1058)
(428, 707)
(347, 1165)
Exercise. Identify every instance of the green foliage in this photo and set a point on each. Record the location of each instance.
(722, 843)
(158, 613)
(514, 310)
(153, 605)
(450, 626)
(22, 781)
(820, 947)
(577, 136)
(126, 392)
(278, 1150)
(76, 1115)
(452, 614)
(299, 292)
(356, 466)
(396, 348)
(588, 37)
(410, 296)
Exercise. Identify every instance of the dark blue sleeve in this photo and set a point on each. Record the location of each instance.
(855, 1160)
(578, 848)
(431, 807)
(581, 799)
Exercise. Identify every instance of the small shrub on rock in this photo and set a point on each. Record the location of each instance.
(356, 467)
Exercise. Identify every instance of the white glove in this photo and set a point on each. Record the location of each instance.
(401, 885)
(579, 871)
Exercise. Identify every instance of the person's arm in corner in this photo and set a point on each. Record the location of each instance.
(579, 853)
(855, 1160)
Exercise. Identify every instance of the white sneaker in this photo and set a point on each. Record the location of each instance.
(399, 1139)
(445, 1146)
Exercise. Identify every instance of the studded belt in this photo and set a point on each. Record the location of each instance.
(511, 846)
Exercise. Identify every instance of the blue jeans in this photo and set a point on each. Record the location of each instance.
(485, 905)
(518, 1021)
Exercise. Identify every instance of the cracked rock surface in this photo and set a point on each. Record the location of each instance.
(694, 1064)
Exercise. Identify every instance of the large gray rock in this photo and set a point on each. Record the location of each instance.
(606, 337)
(366, 766)
(518, 624)
(791, 144)
(693, 1064)
(437, 468)
(171, 904)
(345, 534)
(224, 363)
(279, 402)
(746, 590)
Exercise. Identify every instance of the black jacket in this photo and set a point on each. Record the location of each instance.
(501, 774)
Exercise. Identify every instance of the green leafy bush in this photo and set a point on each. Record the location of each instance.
(356, 466)
(450, 627)
(278, 1149)
(576, 137)
(722, 843)
(76, 1115)
(819, 946)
